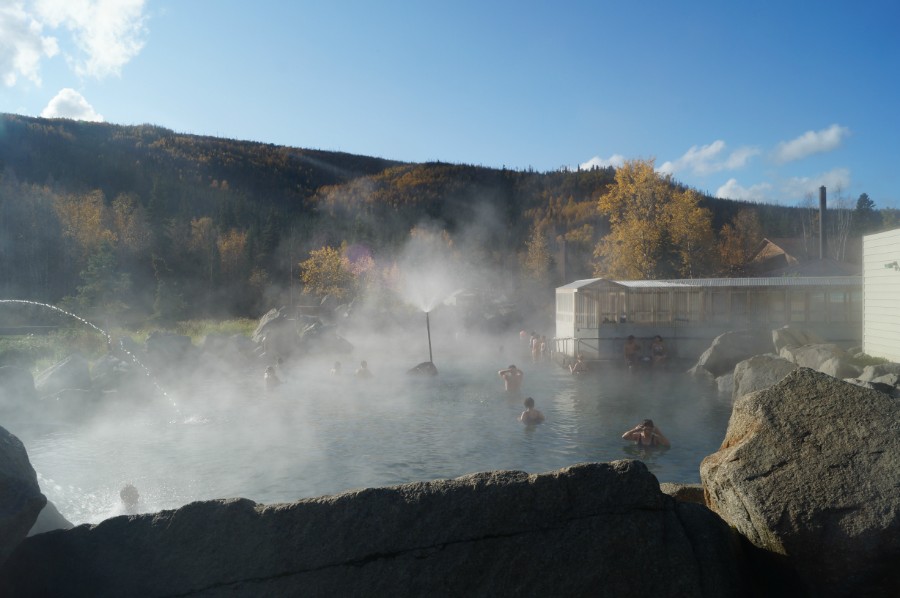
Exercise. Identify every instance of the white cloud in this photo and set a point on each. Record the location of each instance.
(797, 188)
(68, 103)
(811, 142)
(707, 159)
(616, 161)
(108, 32)
(22, 47)
(732, 190)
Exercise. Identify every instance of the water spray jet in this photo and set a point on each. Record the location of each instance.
(108, 337)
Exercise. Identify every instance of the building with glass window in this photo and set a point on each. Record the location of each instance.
(595, 316)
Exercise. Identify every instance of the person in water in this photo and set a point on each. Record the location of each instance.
(271, 378)
(531, 415)
(579, 367)
(632, 351)
(658, 351)
(512, 378)
(363, 371)
(646, 434)
(130, 497)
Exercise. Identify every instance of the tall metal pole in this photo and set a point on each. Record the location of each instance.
(428, 328)
(823, 241)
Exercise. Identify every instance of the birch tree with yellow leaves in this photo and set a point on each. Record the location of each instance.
(656, 230)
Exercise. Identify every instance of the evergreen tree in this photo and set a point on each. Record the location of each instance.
(105, 289)
(169, 304)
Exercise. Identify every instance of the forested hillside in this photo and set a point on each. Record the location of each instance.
(140, 220)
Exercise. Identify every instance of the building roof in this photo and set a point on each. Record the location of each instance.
(781, 281)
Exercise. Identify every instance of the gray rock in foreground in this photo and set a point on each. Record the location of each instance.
(591, 529)
(20, 496)
(810, 469)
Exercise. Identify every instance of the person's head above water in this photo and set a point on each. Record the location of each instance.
(129, 496)
(529, 403)
(647, 423)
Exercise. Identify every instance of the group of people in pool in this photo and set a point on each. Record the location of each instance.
(633, 354)
(644, 434)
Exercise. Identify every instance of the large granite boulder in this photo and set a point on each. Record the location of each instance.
(759, 372)
(725, 383)
(788, 336)
(728, 349)
(590, 529)
(810, 470)
(873, 372)
(281, 333)
(827, 358)
(72, 372)
(812, 356)
(20, 496)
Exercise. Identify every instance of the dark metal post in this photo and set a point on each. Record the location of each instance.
(428, 328)
(823, 244)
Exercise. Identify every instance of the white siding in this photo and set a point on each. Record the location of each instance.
(881, 295)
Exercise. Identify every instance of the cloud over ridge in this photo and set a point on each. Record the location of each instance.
(811, 142)
(68, 103)
(708, 159)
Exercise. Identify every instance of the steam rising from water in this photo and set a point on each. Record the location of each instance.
(320, 434)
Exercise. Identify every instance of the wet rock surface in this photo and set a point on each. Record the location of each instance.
(810, 470)
(20, 496)
(585, 530)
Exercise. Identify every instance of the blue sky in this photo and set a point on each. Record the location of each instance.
(763, 101)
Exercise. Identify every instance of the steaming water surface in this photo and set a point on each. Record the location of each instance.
(319, 435)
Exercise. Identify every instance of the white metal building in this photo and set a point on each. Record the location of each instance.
(881, 295)
(594, 316)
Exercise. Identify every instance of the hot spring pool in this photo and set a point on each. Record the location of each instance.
(321, 435)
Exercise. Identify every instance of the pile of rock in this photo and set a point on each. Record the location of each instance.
(744, 361)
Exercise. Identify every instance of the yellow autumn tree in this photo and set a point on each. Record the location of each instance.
(537, 259)
(738, 240)
(233, 255)
(327, 272)
(656, 229)
(131, 223)
(691, 233)
(85, 220)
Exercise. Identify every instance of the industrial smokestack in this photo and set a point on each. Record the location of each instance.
(823, 242)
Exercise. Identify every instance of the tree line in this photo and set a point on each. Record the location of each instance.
(139, 221)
